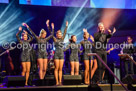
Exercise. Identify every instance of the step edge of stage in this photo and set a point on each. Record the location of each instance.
(63, 86)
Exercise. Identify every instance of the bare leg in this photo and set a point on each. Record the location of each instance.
(94, 68)
(56, 61)
(28, 65)
(103, 75)
(72, 67)
(23, 68)
(44, 67)
(40, 62)
(76, 68)
(61, 62)
(86, 62)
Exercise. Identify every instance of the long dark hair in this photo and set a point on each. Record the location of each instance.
(71, 39)
(130, 38)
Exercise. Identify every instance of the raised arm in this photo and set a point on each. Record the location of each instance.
(111, 33)
(65, 31)
(17, 35)
(47, 23)
(52, 33)
(48, 26)
(108, 51)
(81, 45)
(92, 38)
(24, 24)
(93, 42)
(84, 30)
(54, 39)
(31, 38)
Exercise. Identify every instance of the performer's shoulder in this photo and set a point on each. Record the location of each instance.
(81, 41)
(96, 33)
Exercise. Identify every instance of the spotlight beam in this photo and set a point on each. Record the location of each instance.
(3, 13)
(77, 13)
(83, 18)
(12, 32)
(10, 19)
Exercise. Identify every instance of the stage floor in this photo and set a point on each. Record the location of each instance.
(103, 87)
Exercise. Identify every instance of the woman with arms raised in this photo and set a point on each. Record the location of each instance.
(41, 53)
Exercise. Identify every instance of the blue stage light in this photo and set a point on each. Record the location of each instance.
(10, 19)
(78, 19)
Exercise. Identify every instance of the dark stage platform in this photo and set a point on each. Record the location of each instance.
(93, 87)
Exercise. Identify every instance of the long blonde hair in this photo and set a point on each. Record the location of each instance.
(85, 34)
(59, 31)
(42, 32)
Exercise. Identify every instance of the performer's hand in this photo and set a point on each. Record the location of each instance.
(20, 29)
(47, 22)
(109, 31)
(84, 30)
(52, 25)
(7, 51)
(92, 38)
(114, 30)
(121, 52)
(25, 25)
(25, 32)
(108, 51)
(66, 23)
